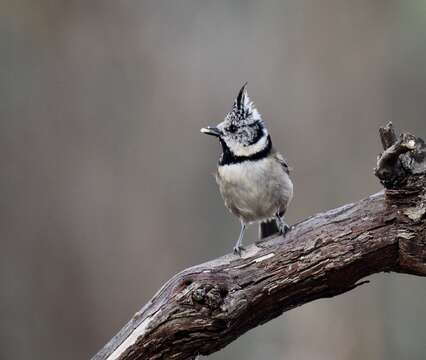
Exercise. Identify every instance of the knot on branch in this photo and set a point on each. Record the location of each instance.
(401, 157)
(208, 295)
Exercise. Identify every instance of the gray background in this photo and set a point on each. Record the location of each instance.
(105, 185)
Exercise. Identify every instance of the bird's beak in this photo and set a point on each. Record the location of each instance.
(211, 131)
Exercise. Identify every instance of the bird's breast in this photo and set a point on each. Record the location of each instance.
(255, 190)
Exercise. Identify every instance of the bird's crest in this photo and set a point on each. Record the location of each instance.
(244, 109)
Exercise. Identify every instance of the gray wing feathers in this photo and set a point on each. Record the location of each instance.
(282, 161)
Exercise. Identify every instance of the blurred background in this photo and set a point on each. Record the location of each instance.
(106, 186)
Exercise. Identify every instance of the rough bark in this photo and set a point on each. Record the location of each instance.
(204, 308)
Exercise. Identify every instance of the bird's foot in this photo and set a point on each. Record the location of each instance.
(285, 229)
(238, 249)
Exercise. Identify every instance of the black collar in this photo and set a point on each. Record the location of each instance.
(228, 157)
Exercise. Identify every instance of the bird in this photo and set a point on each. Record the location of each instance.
(253, 178)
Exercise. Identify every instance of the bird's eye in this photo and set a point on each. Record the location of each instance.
(232, 128)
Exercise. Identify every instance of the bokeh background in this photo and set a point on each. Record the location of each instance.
(105, 181)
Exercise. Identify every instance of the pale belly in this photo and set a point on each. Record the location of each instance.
(255, 191)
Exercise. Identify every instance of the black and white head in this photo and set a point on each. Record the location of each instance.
(242, 133)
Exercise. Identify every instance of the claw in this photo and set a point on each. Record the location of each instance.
(285, 229)
(238, 245)
(237, 250)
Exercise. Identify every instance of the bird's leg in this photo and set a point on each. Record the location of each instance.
(282, 225)
(239, 244)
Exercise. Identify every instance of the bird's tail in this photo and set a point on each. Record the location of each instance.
(268, 229)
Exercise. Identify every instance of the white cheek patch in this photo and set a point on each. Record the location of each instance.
(239, 150)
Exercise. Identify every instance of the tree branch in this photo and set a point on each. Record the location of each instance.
(204, 308)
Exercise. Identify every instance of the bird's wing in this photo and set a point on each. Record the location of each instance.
(283, 162)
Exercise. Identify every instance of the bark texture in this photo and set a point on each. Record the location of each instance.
(204, 308)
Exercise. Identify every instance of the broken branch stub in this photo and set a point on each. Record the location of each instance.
(401, 157)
